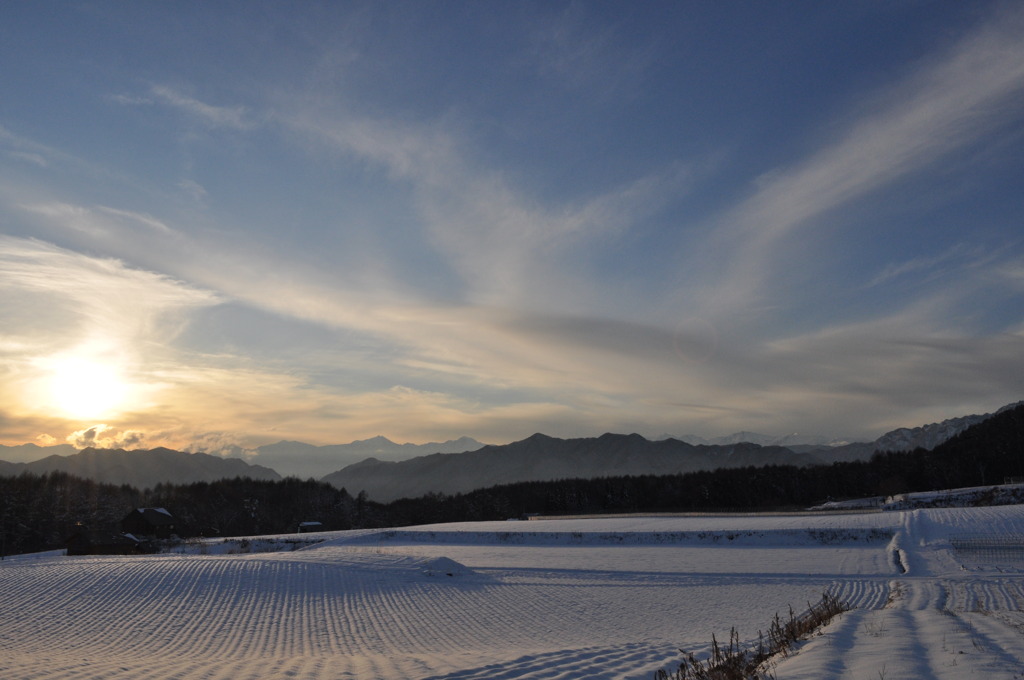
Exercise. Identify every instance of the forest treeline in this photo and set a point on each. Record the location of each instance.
(40, 512)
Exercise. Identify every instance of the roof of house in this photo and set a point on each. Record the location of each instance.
(155, 516)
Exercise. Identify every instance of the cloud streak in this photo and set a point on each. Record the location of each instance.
(104, 291)
(507, 248)
(231, 117)
(351, 258)
(946, 105)
(597, 369)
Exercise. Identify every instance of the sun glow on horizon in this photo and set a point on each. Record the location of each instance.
(85, 388)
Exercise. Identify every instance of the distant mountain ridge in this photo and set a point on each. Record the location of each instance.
(926, 437)
(901, 439)
(465, 464)
(787, 440)
(26, 453)
(932, 435)
(298, 459)
(543, 458)
(142, 468)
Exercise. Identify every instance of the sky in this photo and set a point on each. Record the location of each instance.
(228, 224)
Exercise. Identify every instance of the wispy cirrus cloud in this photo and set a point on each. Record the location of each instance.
(95, 221)
(36, 159)
(193, 189)
(455, 346)
(883, 366)
(539, 318)
(947, 104)
(236, 117)
(931, 266)
(99, 296)
(27, 150)
(508, 248)
(571, 48)
(566, 368)
(231, 117)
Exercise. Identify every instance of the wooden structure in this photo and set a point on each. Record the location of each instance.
(149, 522)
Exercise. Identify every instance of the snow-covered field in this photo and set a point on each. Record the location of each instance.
(580, 598)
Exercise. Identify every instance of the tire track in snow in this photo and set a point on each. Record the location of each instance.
(922, 633)
(988, 595)
(862, 593)
(990, 640)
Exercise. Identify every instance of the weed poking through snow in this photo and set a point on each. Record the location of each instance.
(732, 662)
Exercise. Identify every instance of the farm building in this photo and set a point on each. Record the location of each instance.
(149, 522)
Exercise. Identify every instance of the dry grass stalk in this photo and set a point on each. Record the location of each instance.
(732, 662)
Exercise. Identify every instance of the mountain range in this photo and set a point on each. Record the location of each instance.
(297, 459)
(142, 468)
(541, 458)
(788, 440)
(26, 453)
(387, 471)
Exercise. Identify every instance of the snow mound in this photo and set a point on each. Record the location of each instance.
(380, 563)
(444, 566)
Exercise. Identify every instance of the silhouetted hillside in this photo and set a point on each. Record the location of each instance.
(39, 509)
(143, 468)
(541, 458)
(291, 458)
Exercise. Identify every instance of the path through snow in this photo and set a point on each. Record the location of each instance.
(945, 618)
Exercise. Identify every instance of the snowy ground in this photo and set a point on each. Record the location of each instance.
(599, 598)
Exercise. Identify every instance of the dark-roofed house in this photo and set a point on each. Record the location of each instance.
(149, 522)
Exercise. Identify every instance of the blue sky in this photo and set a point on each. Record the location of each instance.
(226, 224)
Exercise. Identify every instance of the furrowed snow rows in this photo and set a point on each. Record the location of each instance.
(362, 616)
(472, 604)
(914, 636)
(942, 619)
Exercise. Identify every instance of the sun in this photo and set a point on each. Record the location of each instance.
(82, 388)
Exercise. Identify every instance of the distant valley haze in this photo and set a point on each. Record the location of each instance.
(387, 471)
(261, 232)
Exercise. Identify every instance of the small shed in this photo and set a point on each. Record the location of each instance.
(149, 522)
(306, 527)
